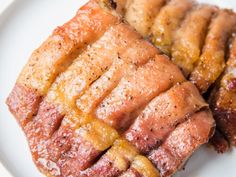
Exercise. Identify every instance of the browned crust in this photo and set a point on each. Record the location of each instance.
(226, 121)
(23, 103)
(222, 101)
(219, 142)
(156, 121)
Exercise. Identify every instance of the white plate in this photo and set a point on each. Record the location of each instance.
(23, 27)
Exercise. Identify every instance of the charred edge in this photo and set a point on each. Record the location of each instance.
(219, 142)
(226, 122)
(113, 4)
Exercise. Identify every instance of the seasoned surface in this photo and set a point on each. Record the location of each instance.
(167, 22)
(163, 114)
(141, 167)
(54, 56)
(137, 54)
(189, 39)
(141, 14)
(136, 89)
(196, 37)
(212, 60)
(182, 142)
(79, 120)
(223, 99)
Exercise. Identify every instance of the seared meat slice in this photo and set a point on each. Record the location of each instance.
(212, 60)
(162, 115)
(141, 167)
(136, 90)
(223, 98)
(141, 14)
(54, 56)
(182, 142)
(166, 23)
(190, 37)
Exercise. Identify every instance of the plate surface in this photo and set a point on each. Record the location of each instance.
(23, 27)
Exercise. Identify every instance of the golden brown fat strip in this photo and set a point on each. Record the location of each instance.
(189, 38)
(54, 56)
(115, 161)
(141, 167)
(212, 60)
(167, 21)
(163, 114)
(141, 14)
(182, 142)
(223, 98)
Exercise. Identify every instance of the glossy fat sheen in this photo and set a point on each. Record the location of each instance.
(211, 63)
(166, 23)
(141, 14)
(163, 114)
(182, 142)
(141, 167)
(137, 89)
(223, 99)
(190, 37)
